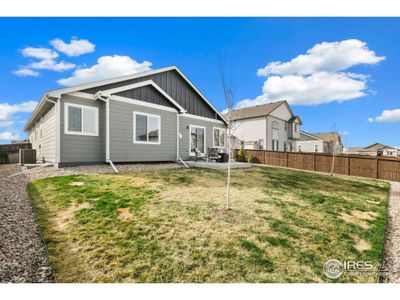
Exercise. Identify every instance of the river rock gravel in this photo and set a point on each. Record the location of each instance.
(23, 255)
(392, 238)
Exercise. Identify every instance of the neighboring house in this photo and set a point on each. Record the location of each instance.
(271, 126)
(376, 149)
(157, 115)
(323, 142)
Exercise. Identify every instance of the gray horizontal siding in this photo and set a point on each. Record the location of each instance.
(122, 148)
(82, 148)
(184, 142)
(175, 85)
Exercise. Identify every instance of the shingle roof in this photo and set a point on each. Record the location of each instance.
(254, 111)
(328, 136)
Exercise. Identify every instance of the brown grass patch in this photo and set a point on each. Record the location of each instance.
(76, 183)
(124, 214)
(361, 245)
(63, 218)
(359, 218)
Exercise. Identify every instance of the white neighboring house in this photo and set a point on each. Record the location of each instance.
(322, 142)
(376, 149)
(271, 126)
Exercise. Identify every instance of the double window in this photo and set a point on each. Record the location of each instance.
(219, 138)
(81, 119)
(146, 128)
(315, 147)
(197, 139)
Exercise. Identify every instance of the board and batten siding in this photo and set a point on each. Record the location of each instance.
(173, 84)
(45, 143)
(184, 130)
(82, 148)
(122, 148)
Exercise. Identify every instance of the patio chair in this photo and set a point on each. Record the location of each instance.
(212, 154)
(199, 155)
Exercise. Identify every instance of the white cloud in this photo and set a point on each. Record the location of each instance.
(74, 48)
(26, 72)
(315, 89)
(106, 67)
(5, 124)
(329, 57)
(8, 135)
(387, 116)
(40, 53)
(344, 133)
(7, 110)
(50, 64)
(318, 76)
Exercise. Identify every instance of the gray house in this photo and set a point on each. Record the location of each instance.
(157, 115)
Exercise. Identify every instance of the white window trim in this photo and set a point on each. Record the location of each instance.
(190, 138)
(220, 128)
(134, 128)
(95, 109)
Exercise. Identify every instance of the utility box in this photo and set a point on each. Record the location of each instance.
(27, 156)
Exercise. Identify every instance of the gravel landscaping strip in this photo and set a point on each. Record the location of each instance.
(392, 239)
(34, 174)
(23, 254)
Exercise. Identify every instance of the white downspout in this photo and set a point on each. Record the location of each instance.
(106, 99)
(178, 136)
(57, 112)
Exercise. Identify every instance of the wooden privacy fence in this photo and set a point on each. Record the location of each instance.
(363, 166)
(8, 150)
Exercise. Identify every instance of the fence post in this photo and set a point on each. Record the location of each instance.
(315, 162)
(287, 159)
(348, 165)
(377, 169)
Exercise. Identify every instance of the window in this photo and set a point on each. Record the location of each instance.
(275, 145)
(299, 148)
(219, 138)
(197, 139)
(296, 127)
(285, 146)
(316, 148)
(81, 120)
(146, 128)
(275, 136)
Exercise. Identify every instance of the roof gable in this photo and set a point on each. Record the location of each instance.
(188, 96)
(255, 111)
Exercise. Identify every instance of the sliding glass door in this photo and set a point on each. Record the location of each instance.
(197, 139)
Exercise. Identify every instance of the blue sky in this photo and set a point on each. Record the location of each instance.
(348, 76)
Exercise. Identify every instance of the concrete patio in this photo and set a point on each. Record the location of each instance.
(217, 165)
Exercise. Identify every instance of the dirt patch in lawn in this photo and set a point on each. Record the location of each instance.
(359, 218)
(64, 217)
(361, 245)
(124, 214)
(76, 183)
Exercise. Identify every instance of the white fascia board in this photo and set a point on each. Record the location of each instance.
(142, 103)
(141, 84)
(186, 115)
(89, 85)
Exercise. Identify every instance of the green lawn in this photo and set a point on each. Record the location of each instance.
(171, 225)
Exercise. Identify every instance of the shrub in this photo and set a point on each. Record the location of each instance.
(241, 156)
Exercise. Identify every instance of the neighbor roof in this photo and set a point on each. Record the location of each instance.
(328, 136)
(256, 111)
(57, 93)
